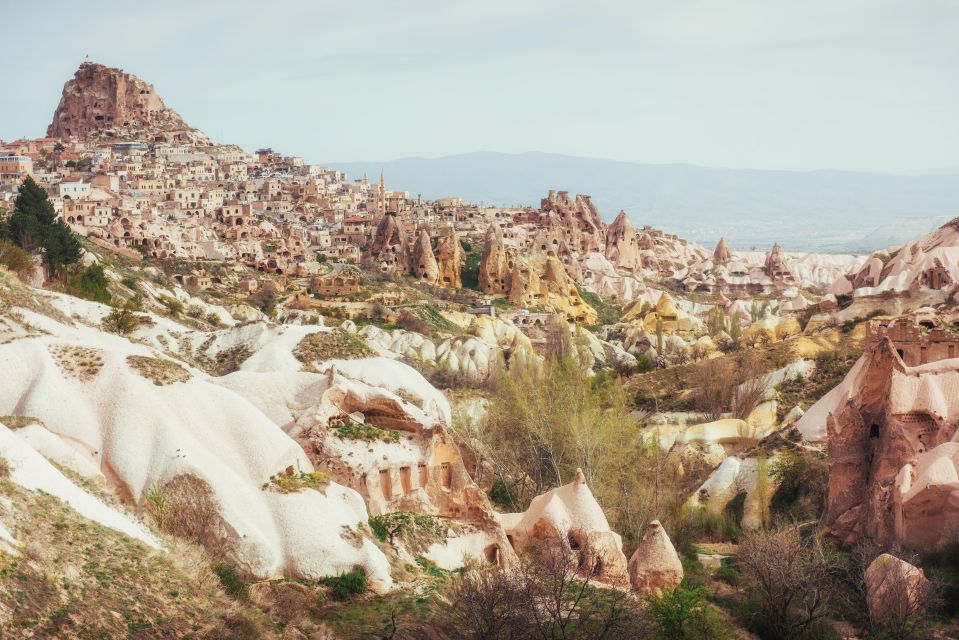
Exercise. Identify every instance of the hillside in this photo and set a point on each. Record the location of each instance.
(750, 207)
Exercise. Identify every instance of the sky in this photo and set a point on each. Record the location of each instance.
(865, 85)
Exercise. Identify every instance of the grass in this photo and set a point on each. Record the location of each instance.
(161, 372)
(366, 432)
(330, 345)
(347, 585)
(296, 482)
(18, 422)
(417, 531)
(77, 579)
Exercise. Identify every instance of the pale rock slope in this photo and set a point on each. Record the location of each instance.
(88, 389)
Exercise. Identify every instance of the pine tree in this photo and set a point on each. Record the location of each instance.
(34, 226)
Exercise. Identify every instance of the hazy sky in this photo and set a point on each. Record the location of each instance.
(810, 84)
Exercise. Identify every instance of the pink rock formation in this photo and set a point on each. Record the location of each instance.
(891, 429)
(100, 98)
(449, 258)
(655, 565)
(389, 250)
(722, 255)
(930, 262)
(423, 260)
(577, 222)
(895, 589)
(622, 245)
(495, 265)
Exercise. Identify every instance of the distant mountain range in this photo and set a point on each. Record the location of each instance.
(814, 210)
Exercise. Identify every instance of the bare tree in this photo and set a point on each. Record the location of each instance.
(547, 595)
(793, 575)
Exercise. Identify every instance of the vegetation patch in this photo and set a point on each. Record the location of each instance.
(296, 482)
(347, 585)
(18, 422)
(82, 363)
(367, 432)
(330, 345)
(161, 372)
(418, 531)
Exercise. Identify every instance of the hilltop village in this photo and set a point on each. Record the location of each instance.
(326, 407)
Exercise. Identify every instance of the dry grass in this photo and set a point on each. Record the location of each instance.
(296, 482)
(77, 579)
(82, 363)
(161, 372)
(18, 422)
(329, 345)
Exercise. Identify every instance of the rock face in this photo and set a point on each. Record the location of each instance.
(622, 245)
(571, 514)
(722, 254)
(449, 258)
(655, 565)
(894, 589)
(424, 263)
(389, 250)
(891, 429)
(573, 222)
(930, 262)
(495, 264)
(542, 282)
(101, 99)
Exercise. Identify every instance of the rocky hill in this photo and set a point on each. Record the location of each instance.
(110, 102)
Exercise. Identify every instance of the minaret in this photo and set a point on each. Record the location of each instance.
(382, 197)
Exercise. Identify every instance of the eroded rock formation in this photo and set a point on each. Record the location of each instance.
(891, 430)
(389, 250)
(101, 99)
(622, 245)
(495, 264)
(423, 260)
(655, 565)
(449, 258)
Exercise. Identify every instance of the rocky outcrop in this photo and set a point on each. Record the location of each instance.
(101, 99)
(931, 262)
(622, 246)
(541, 282)
(891, 431)
(389, 251)
(424, 263)
(574, 222)
(722, 254)
(495, 264)
(571, 514)
(776, 267)
(449, 259)
(655, 565)
(895, 589)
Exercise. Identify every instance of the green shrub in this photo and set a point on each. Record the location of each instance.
(194, 311)
(729, 572)
(294, 483)
(684, 614)
(173, 306)
(346, 585)
(367, 432)
(90, 283)
(417, 530)
(122, 320)
(230, 578)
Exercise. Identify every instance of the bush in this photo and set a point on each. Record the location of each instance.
(173, 306)
(231, 581)
(346, 585)
(803, 480)
(122, 320)
(684, 614)
(90, 283)
(17, 260)
(417, 530)
(194, 311)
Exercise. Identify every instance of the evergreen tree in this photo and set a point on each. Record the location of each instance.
(34, 226)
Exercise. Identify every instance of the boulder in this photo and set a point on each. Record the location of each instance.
(655, 565)
(895, 589)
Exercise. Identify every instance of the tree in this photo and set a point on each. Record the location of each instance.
(34, 227)
(794, 577)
